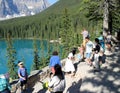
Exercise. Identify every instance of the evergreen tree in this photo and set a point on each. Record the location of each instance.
(106, 10)
(42, 55)
(36, 60)
(66, 33)
(48, 53)
(115, 17)
(11, 55)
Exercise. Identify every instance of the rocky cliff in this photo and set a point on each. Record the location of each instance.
(13, 8)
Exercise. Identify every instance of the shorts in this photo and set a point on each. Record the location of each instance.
(88, 55)
(22, 83)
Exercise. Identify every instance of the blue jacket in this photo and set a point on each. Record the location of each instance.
(4, 84)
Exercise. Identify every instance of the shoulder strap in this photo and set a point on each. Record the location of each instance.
(57, 84)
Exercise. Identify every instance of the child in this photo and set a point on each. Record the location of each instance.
(22, 74)
(108, 46)
(81, 52)
(96, 63)
(102, 57)
(101, 41)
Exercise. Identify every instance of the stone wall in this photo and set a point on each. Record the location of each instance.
(34, 77)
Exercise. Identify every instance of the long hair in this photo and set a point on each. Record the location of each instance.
(58, 71)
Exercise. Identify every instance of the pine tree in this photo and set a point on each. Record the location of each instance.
(11, 56)
(47, 58)
(42, 55)
(115, 17)
(106, 10)
(66, 33)
(36, 60)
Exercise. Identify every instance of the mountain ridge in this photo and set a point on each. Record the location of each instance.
(15, 8)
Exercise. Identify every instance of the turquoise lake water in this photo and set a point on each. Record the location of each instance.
(24, 49)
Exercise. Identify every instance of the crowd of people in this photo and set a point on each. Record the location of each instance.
(91, 52)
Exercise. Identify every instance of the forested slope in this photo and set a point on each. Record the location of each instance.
(46, 24)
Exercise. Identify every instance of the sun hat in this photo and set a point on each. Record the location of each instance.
(20, 62)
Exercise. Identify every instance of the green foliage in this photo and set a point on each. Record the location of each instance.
(66, 32)
(95, 12)
(11, 55)
(93, 9)
(115, 15)
(44, 58)
(64, 20)
(36, 61)
(47, 24)
(42, 25)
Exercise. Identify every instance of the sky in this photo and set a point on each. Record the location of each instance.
(52, 1)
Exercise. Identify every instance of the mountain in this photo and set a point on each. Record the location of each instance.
(14, 8)
(48, 22)
(7, 7)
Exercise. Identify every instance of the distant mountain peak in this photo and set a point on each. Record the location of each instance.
(14, 8)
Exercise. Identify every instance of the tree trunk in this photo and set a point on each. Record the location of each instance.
(110, 23)
(106, 17)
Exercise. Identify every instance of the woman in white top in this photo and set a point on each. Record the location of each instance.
(69, 66)
(57, 82)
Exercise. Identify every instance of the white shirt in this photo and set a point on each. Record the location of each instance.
(69, 65)
(96, 57)
(57, 84)
(89, 47)
(109, 37)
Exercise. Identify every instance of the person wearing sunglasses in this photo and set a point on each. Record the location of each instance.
(22, 74)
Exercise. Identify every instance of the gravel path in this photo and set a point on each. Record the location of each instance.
(87, 80)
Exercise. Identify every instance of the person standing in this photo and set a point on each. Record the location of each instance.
(85, 33)
(57, 82)
(4, 84)
(109, 37)
(22, 74)
(88, 51)
(81, 53)
(97, 45)
(55, 59)
(101, 40)
(108, 43)
(96, 62)
(69, 66)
